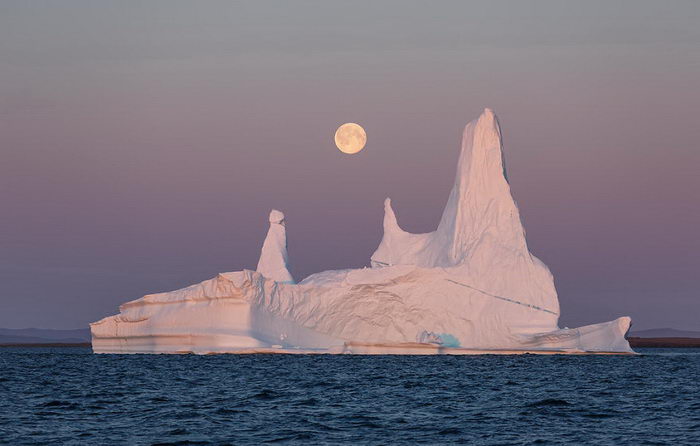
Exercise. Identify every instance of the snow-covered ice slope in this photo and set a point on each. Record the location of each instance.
(471, 286)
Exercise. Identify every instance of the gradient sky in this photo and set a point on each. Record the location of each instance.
(143, 143)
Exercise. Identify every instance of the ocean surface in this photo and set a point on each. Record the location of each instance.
(69, 396)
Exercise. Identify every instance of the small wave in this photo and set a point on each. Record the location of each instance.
(228, 411)
(179, 431)
(597, 415)
(288, 438)
(450, 431)
(266, 395)
(549, 402)
(307, 402)
(364, 421)
(180, 443)
(60, 404)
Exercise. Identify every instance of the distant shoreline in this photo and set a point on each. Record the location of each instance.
(634, 343)
(664, 342)
(49, 344)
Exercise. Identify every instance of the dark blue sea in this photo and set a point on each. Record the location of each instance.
(68, 396)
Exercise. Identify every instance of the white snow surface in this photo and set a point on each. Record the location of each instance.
(471, 286)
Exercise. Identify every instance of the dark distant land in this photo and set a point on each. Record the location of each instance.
(664, 337)
(38, 337)
(664, 333)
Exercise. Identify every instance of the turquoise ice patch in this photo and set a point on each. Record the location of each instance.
(449, 341)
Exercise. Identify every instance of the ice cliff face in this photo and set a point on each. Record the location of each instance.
(470, 286)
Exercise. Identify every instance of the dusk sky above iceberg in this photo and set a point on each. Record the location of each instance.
(144, 145)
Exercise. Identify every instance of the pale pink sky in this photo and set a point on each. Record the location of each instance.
(142, 145)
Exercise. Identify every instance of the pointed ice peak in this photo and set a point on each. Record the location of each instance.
(488, 114)
(481, 139)
(487, 133)
(277, 217)
(273, 262)
(394, 237)
(486, 119)
(389, 216)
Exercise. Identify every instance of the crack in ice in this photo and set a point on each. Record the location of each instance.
(534, 307)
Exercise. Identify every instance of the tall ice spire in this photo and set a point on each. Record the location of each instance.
(480, 236)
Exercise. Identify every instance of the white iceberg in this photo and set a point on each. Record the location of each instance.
(469, 287)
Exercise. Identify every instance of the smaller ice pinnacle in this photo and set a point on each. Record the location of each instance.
(274, 263)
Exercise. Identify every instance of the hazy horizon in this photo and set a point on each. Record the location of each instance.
(143, 144)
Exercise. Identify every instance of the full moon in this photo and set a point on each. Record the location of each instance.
(350, 138)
